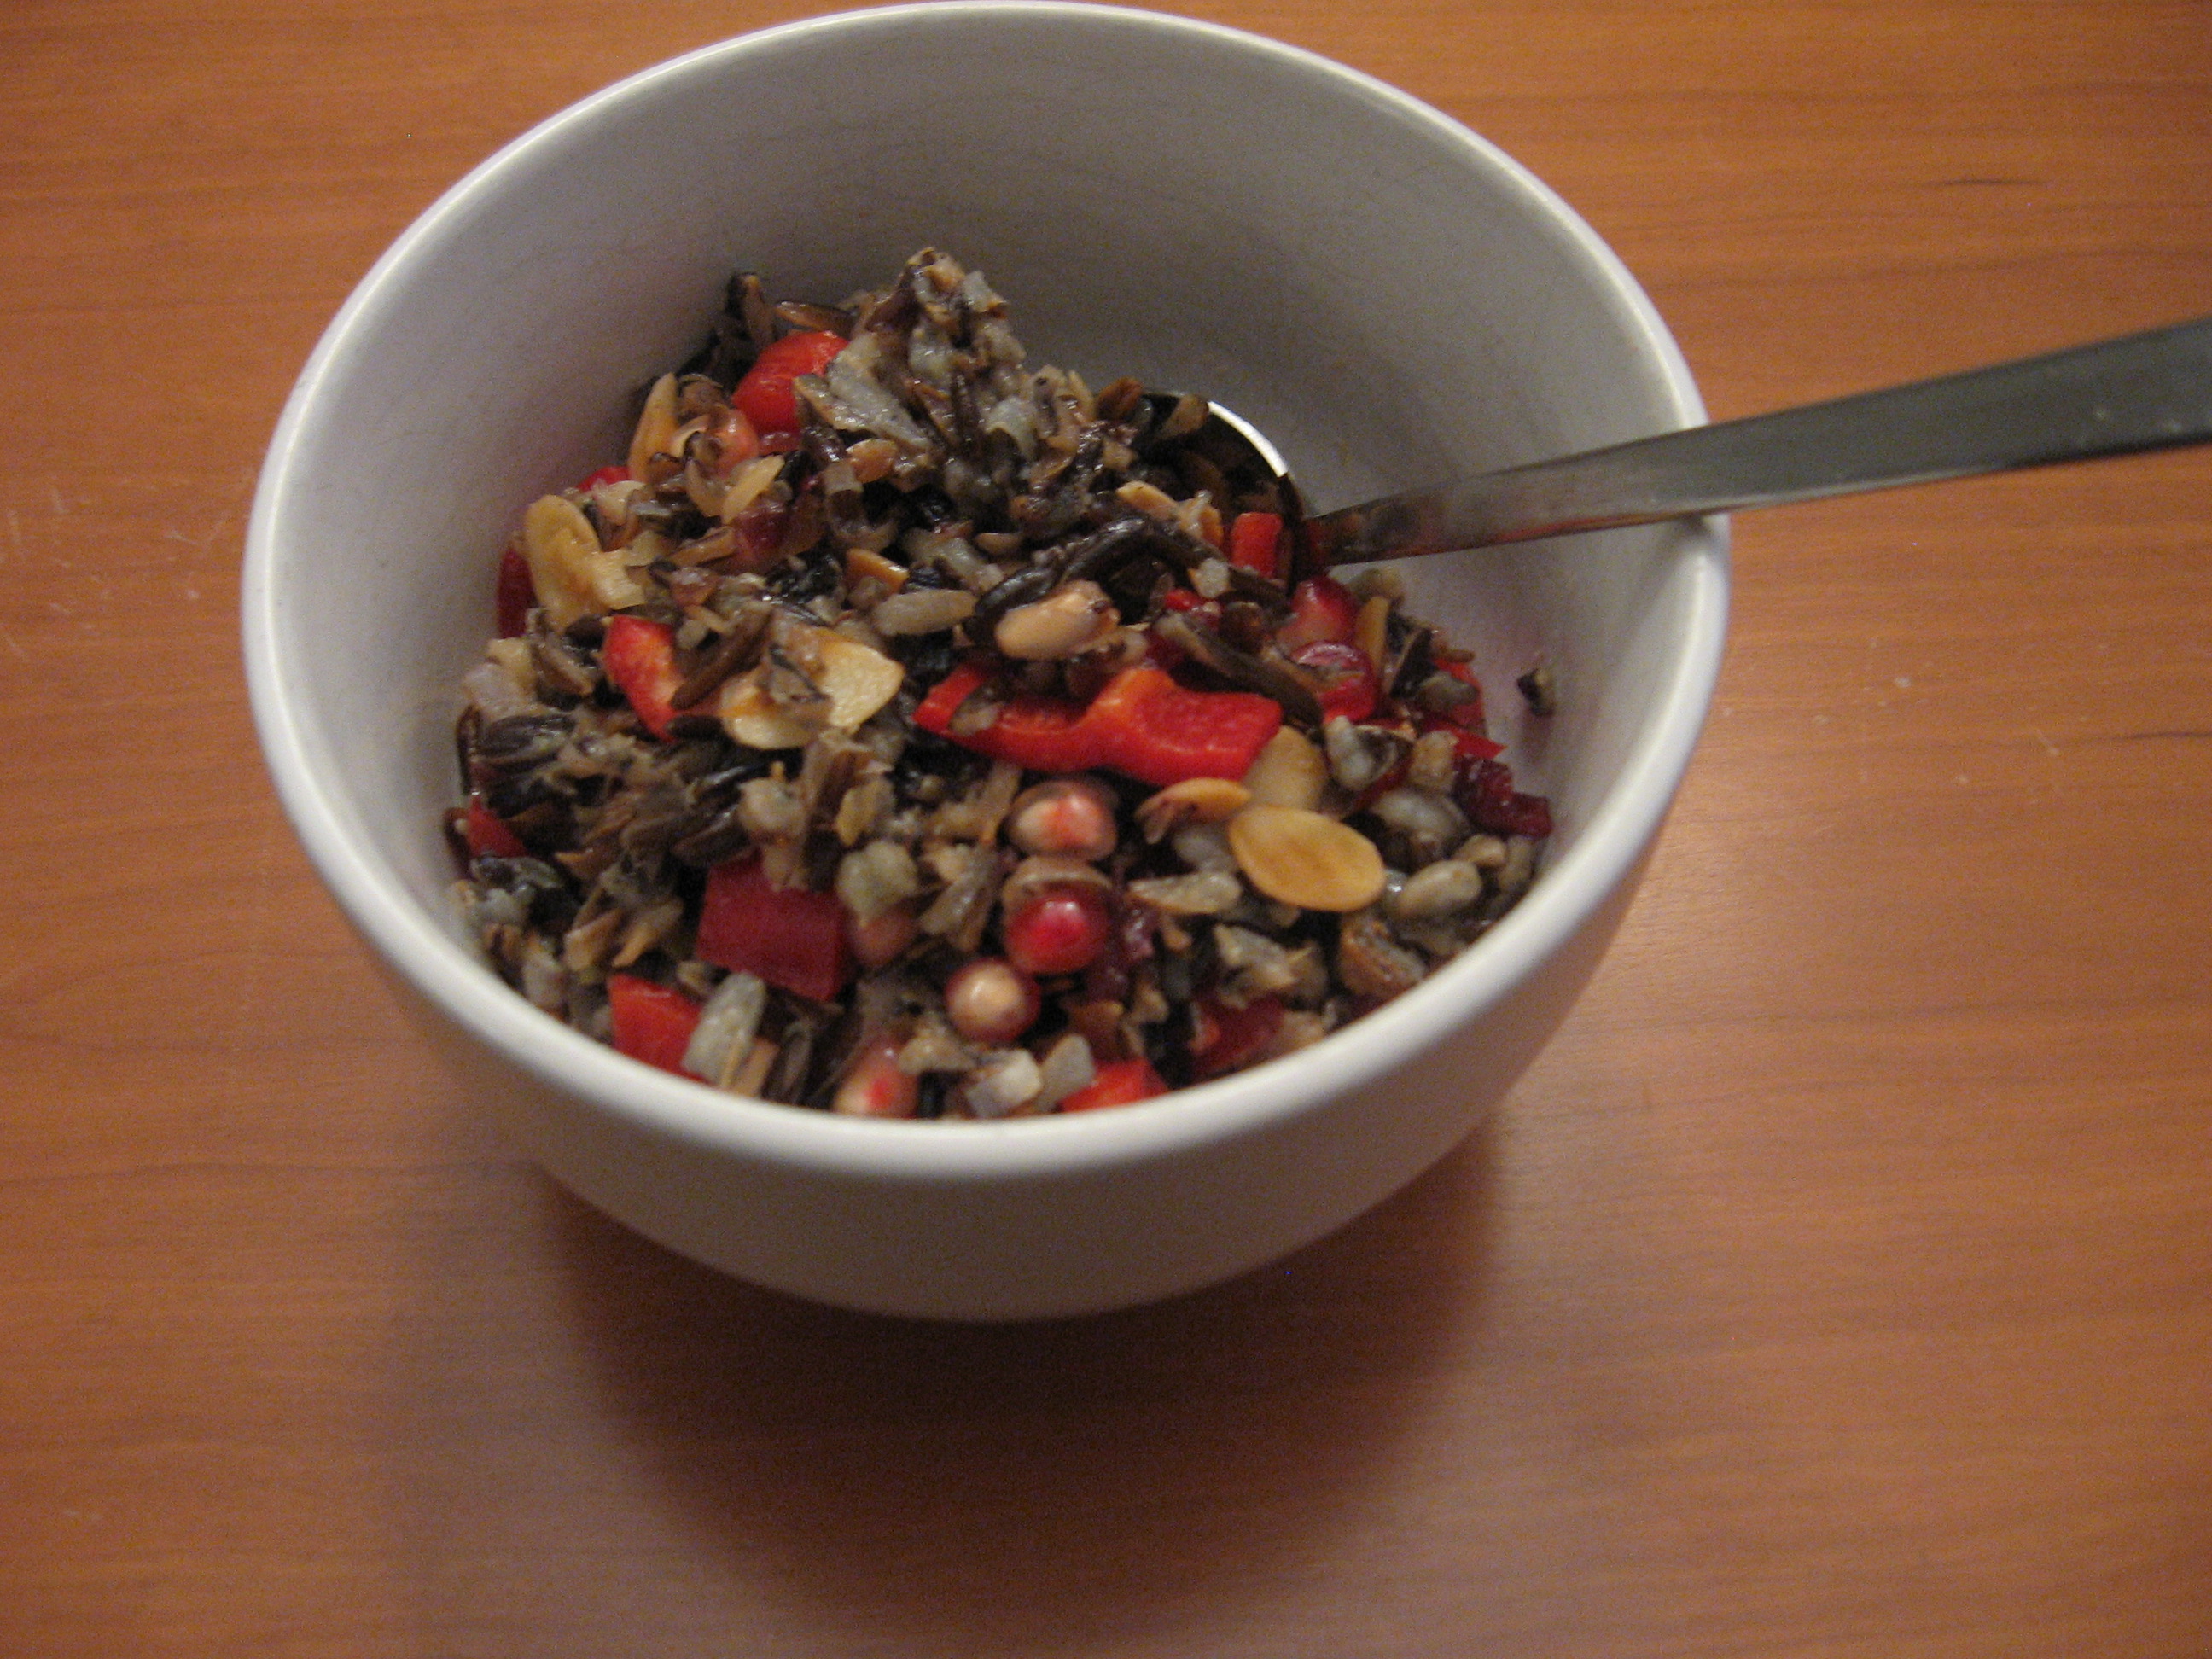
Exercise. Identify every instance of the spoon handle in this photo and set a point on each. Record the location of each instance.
(2141, 391)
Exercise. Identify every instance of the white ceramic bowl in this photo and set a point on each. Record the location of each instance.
(1386, 295)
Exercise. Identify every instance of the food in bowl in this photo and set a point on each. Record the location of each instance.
(905, 729)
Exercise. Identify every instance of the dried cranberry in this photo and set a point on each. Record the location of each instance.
(1487, 794)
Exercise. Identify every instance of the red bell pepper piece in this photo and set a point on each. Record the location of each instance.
(792, 937)
(1254, 540)
(1119, 1083)
(1045, 734)
(1471, 745)
(1348, 683)
(1142, 724)
(1228, 1038)
(606, 475)
(487, 834)
(1322, 608)
(515, 595)
(934, 712)
(765, 396)
(1158, 732)
(639, 658)
(652, 1022)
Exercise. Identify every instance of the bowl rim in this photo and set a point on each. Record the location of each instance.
(442, 969)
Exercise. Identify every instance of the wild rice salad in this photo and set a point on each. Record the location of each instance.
(905, 729)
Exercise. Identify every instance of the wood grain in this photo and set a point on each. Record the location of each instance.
(1839, 1284)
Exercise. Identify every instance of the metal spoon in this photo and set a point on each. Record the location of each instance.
(2141, 391)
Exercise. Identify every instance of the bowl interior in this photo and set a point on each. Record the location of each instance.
(1386, 297)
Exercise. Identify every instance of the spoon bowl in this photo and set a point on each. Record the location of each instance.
(2120, 397)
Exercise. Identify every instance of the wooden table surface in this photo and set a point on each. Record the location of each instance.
(1839, 1283)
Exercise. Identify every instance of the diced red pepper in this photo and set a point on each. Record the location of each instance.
(515, 595)
(1322, 608)
(1348, 683)
(790, 937)
(652, 1022)
(1255, 541)
(1158, 732)
(934, 712)
(606, 475)
(1045, 734)
(765, 396)
(487, 834)
(639, 658)
(1472, 746)
(1487, 794)
(1142, 724)
(1119, 1083)
(1181, 598)
(1227, 1039)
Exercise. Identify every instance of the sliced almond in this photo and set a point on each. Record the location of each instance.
(872, 458)
(1371, 632)
(860, 565)
(1289, 772)
(747, 483)
(1194, 801)
(1305, 858)
(749, 1076)
(857, 679)
(754, 720)
(1149, 499)
(656, 426)
(570, 573)
(844, 681)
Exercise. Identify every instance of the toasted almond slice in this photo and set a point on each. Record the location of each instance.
(753, 718)
(1371, 633)
(857, 679)
(656, 426)
(1302, 858)
(1148, 499)
(747, 483)
(1194, 801)
(570, 573)
(753, 1072)
(1289, 772)
(861, 563)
